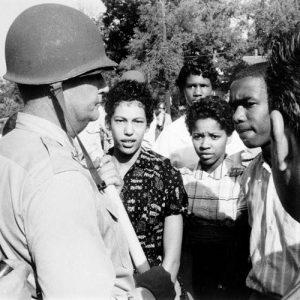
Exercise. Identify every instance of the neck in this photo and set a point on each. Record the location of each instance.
(123, 161)
(211, 168)
(43, 108)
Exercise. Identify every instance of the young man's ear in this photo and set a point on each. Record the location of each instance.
(280, 145)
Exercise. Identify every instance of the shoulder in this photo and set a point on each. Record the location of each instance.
(255, 165)
(36, 154)
(61, 158)
(252, 172)
(160, 163)
(234, 166)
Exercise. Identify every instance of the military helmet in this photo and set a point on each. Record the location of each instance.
(50, 43)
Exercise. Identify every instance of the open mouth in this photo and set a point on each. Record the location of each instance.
(128, 143)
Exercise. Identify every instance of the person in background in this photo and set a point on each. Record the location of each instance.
(54, 217)
(275, 235)
(217, 232)
(94, 134)
(153, 193)
(284, 99)
(195, 82)
(161, 120)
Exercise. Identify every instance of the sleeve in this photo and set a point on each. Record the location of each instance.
(65, 242)
(177, 199)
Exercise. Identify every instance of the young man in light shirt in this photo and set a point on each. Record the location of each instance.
(195, 81)
(275, 235)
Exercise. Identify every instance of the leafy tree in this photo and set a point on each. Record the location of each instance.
(270, 19)
(169, 32)
(10, 100)
(117, 25)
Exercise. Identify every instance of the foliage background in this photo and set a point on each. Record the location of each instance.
(157, 36)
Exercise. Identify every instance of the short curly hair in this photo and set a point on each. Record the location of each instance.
(205, 69)
(211, 107)
(129, 90)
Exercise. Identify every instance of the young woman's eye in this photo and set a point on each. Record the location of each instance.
(197, 137)
(119, 120)
(139, 121)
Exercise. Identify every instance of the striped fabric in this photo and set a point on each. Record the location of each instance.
(275, 235)
(214, 196)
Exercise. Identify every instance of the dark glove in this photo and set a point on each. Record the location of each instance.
(158, 281)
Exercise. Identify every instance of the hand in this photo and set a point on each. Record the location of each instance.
(108, 172)
(14, 285)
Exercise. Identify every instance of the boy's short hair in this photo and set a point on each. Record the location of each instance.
(204, 68)
(129, 90)
(211, 107)
(257, 70)
(283, 79)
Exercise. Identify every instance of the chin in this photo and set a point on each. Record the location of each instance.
(128, 152)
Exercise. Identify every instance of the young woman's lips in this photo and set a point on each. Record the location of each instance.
(128, 143)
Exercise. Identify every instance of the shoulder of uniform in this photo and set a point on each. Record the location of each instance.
(62, 158)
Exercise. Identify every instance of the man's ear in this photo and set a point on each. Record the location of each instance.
(280, 143)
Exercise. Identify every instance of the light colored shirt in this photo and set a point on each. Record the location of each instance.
(175, 143)
(53, 218)
(150, 135)
(275, 235)
(215, 196)
(95, 137)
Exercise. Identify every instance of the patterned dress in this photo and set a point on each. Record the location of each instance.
(153, 190)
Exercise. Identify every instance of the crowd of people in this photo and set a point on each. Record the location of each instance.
(212, 196)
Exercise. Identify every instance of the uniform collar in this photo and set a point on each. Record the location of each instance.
(43, 127)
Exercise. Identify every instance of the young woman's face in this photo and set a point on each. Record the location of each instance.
(209, 141)
(128, 126)
(196, 88)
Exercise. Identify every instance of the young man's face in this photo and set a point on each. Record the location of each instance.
(209, 142)
(128, 126)
(82, 100)
(249, 100)
(196, 88)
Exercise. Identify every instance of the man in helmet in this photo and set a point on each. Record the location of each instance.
(52, 216)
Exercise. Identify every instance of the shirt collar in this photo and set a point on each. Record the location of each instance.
(221, 171)
(265, 165)
(43, 127)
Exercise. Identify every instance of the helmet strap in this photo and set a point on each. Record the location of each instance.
(56, 93)
(58, 100)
